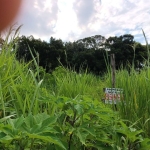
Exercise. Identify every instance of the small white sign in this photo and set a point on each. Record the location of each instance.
(113, 95)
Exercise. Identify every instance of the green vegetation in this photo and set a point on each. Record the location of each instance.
(88, 52)
(64, 110)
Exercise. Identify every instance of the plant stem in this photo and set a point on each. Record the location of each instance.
(69, 144)
(70, 138)
(31, 147)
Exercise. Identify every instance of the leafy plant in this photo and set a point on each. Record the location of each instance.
(31, 132)
(84, 123)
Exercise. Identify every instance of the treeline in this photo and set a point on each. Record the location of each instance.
(90, 53)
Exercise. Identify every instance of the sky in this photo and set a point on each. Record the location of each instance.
(71, 20)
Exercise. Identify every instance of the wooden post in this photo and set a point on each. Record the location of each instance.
(113, 68)
(112, 58)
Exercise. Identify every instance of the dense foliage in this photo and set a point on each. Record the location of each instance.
(64, 110)
(60, 111)
(88, 53)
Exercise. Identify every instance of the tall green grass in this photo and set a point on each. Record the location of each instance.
(70, 84)
(136, 86)
(19, 86)
(136, 105)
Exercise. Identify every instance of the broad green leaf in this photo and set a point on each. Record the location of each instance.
(8, 130)
(145, 144)
(90, 130)
(100, 146)
(69, 113)
(40, 129)
(82, 136)
(6, 139)
(87, 117)
(30, 121)
(48, 121)
(18, 122)
(36, 129)
(51, 138)
(2, 135)
(40, 117)
(25, 128)
(104, 140)
(65, 144)
(79, 109)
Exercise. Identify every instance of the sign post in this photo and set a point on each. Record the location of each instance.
(113, 95)
(112, 60)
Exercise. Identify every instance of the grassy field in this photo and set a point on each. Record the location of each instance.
(64, 110)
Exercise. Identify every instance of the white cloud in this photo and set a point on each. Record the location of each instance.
(67, 20)
(76, 19)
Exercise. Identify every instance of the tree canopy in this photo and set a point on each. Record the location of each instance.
(87, 53)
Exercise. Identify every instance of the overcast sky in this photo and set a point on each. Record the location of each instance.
(71, 20)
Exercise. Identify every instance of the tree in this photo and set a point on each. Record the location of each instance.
(49, 53)
(122, 47)
(94, 42)
(85, 53)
